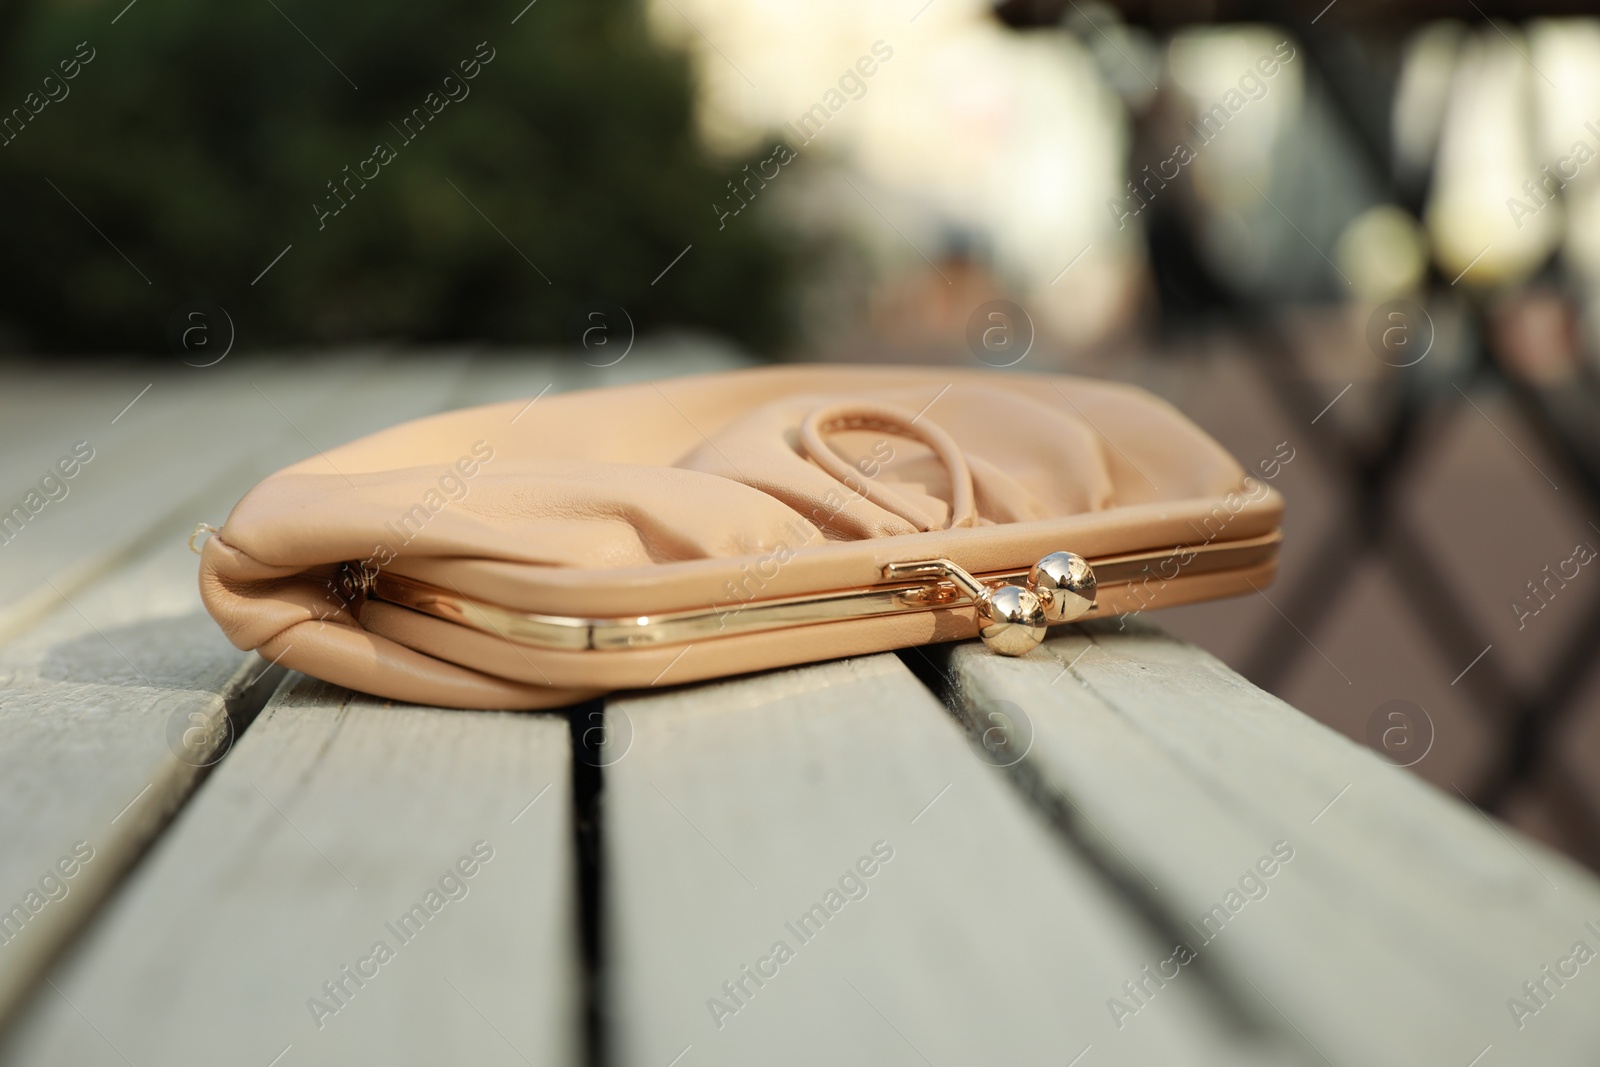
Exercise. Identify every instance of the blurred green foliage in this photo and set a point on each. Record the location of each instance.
(202, 134)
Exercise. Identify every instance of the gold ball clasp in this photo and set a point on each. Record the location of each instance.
(1065, 583)
(1011, 620)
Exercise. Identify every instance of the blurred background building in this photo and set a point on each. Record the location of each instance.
(1358, 242)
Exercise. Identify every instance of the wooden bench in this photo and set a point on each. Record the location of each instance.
(1111, 851)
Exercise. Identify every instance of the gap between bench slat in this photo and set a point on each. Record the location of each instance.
(256, 922)
(1404, 921)
(733, 810)
(112, 671)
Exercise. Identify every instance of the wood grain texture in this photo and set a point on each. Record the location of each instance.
(114, 670)
(189, 441)
(333, 816)
(731, 809)
(89, 710)
(1405, 921)
(116, 659)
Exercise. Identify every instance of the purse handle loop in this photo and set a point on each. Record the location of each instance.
(859, 415)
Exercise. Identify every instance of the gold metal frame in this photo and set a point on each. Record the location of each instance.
(897, 595)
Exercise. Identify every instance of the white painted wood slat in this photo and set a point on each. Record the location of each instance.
(93, 689)
(1405, 923)
(333, 820)
(733, 811)
(113, 675)
(160, 454)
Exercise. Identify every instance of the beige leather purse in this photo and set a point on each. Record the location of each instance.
(532, 554)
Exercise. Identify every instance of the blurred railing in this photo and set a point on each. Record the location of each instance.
(1518, 312)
